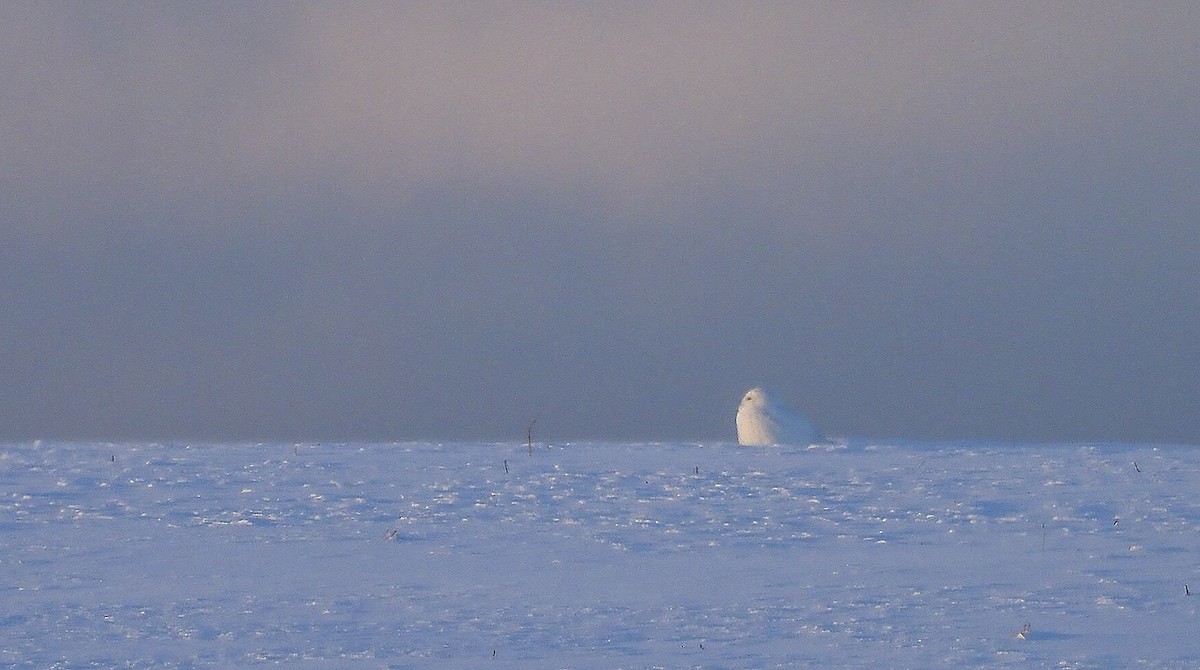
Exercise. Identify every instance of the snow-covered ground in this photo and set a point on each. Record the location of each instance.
(598, 555)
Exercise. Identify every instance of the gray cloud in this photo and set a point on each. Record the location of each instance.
(388, 222)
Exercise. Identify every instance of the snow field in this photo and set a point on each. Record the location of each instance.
(598, 555)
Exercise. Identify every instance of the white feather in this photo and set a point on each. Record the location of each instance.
(763, 421)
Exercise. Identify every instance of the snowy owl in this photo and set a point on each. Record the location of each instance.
(762, 421)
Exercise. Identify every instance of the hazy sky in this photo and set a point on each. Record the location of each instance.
(405, 221)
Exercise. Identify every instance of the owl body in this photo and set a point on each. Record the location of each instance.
(764, 421)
